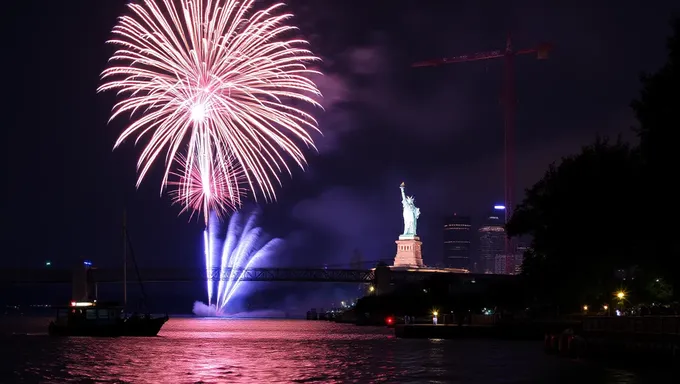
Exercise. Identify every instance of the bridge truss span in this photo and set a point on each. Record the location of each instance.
(169, 275)
(286, 274)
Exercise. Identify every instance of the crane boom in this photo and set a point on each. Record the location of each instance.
(460, 59)
(541, 50)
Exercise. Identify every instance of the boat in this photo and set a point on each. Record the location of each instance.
(102, 320)
(144, 325)
(89, 318)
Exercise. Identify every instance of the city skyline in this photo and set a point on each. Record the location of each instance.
(475, 244)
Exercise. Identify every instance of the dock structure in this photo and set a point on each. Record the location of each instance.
(633, 335)
(649, 338)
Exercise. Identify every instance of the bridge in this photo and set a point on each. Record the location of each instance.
(179, 275)
(383, 278)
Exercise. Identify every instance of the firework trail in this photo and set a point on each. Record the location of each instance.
(207, 84)
(207, 188)
(245, 243)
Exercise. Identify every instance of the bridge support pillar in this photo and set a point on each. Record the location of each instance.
(383, 280)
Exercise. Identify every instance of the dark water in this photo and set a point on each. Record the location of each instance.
(287, 351)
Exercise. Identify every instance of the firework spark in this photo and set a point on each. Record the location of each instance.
(212, 79)
(207, 188)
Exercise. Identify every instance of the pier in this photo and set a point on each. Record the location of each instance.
(645, 337)
(482, 326)
(633, 335)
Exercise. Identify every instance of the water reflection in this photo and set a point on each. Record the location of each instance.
(273, 351)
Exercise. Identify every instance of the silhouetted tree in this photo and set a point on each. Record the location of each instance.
(658, 111)
(658, 108)
(583, 216)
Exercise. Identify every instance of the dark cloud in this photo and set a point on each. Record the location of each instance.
(368, 87)
(336, 119)
(351, 220)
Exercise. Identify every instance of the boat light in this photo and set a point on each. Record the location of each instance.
(81, 304)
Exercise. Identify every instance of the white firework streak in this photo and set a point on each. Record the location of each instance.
(213, 79)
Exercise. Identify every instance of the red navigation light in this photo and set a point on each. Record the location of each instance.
(389, 320)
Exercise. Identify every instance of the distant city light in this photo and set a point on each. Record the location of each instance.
(48, 263)
(87, 263)
(499, 207)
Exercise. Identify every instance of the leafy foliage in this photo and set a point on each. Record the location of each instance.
(583, 219)
(658, 112)
(658, 109)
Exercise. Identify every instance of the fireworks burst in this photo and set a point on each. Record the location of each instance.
(206, 84)
(207, 188)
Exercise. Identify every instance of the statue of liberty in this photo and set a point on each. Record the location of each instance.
(411, 213)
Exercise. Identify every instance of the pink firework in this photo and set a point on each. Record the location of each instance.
(207, 188)
(212, 81)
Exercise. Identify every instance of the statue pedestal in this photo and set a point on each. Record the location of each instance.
(409, 252)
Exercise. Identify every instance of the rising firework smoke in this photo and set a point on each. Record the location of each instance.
(206, 84)
(245, 244)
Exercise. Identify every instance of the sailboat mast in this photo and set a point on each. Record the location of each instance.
(124, 258)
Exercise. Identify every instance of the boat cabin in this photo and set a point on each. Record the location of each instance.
(109, 320)
(88, 312)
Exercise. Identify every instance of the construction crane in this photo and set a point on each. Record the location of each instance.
(509, 104)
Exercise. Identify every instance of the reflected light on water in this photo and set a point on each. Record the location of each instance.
(283, 351)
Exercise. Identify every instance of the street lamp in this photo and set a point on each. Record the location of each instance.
(621, 302)
(585, 308)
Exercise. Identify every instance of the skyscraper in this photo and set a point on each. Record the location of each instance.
(457, 236)
(491, 241)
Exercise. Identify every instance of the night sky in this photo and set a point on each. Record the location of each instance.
(437, 129)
